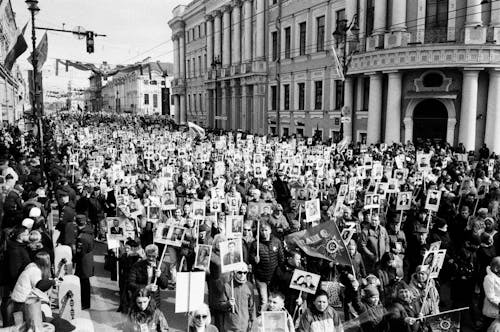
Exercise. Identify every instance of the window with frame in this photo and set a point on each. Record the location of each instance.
(274, 38)
(201, 103)
(339, 25)
(274, 97)
(370, 16)
(318, 95)
(320, 34)
(188, 66)
(286, 96)
(338, 94)
(155, 100)
(194, 68)
(288, 42)
(302, 38)
(302, 95)
(146, 99)
(199, 65)
(436, 21)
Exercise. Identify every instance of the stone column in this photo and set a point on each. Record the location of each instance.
(261, 28)
(235, 107)
(362, 18)
(224, 105)
(374, 109)
(398, 16)
(491, 137)
(475, 33)
(177, 108)
(217, 35)
(226, 36)
(467, 131)
(379, 23)
(183, 109)
(474, 10)
(210, 40)
(393, 114)
(244, 107)
(176, 56)
(182, 56)
(247, 49)
(349, 105)
(236, 34)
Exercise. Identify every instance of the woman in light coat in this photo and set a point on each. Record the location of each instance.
(491, 285)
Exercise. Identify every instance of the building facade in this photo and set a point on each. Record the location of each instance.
(415, 69)
(13, 96)
(139, 90)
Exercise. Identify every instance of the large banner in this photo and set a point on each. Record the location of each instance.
(322, 241)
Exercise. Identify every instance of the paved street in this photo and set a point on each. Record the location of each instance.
(105, 300)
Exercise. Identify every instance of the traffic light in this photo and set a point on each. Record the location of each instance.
(90, 41)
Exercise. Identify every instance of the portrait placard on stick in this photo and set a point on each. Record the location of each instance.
(312, 210)
(433, 199)
(231, 252)
(304, 281)
(403, 201)
(274, 321)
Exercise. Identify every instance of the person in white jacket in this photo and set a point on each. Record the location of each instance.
(32, 274)
(491, 285)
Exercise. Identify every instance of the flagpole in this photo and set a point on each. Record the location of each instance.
(443, 313)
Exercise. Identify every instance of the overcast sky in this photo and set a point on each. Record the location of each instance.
(133, 28)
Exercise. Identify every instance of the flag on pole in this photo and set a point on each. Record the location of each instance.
(336, 64)
(448, 321)
(18, 47)
(41, 52)
(321, 241)
(196, 129)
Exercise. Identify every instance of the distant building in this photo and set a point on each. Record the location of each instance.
(416, 69)
(134, 90)
(13, 96)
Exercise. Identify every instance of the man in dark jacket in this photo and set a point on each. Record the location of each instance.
(265, 263)
(13, 207)
(84, 258)
(67, 227)
(146, 274)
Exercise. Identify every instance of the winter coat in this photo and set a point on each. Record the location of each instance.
(17, 258)
(431, 305)
(28, 279)
(84, 256)
(138, 279)
(156, 323)
(242, 317)
(13, 209)
(491, 286)
(271, 255)
(315, 321)
(374, 244)
(369, 316)
(282, 280)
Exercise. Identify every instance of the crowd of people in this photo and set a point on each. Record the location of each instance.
(393, 236)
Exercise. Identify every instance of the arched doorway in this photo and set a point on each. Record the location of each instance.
(430, 120)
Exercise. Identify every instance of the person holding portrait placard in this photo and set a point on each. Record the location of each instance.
(149, 274)
(266, 260)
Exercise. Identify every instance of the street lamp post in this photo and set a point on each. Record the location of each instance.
(343, 26)
(34, 9)
(215, 65)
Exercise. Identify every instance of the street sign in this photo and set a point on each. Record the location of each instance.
(220, 117)
(345, 119)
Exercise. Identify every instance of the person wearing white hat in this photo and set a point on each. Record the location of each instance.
(28, 223)
(35, 212)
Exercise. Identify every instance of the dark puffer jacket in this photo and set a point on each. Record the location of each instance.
(270, 254)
